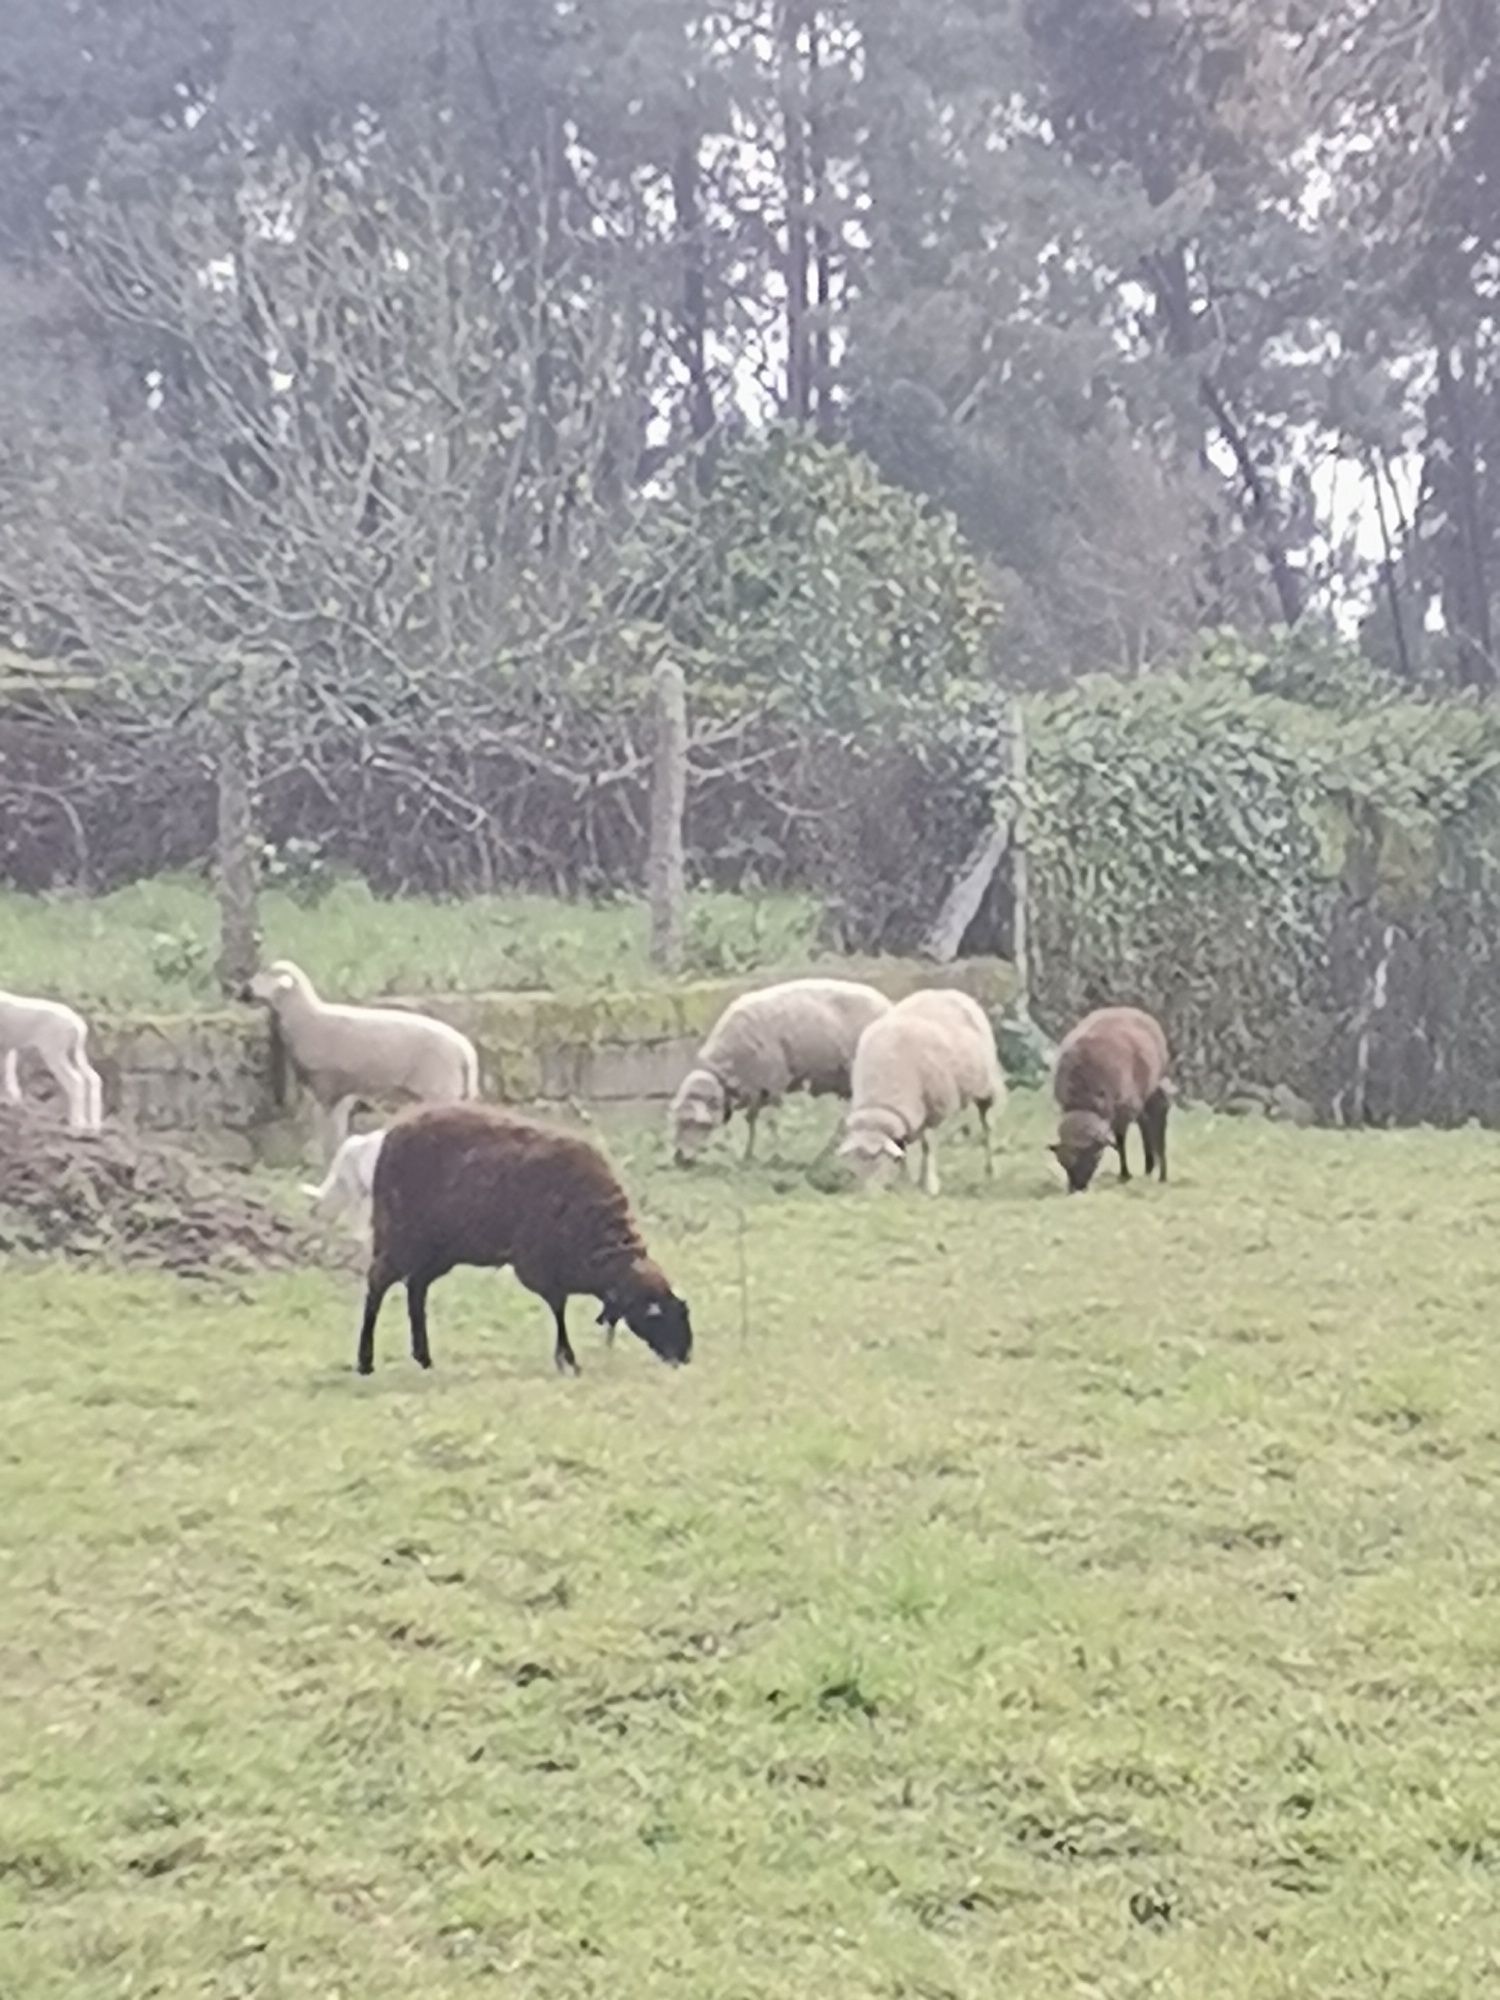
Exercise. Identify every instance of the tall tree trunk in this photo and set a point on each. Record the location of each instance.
(793, 96)
(1466, 595)
(1260, 500)
(1168, 273)
(1379, 475)
(822, 242)
(692, 345)
(536, 286)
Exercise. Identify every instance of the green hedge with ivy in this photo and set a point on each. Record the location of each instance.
(1244, 843)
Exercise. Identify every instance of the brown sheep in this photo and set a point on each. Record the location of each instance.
(470, 1184)
(1111, 1074)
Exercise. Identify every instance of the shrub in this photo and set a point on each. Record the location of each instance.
(1243, 849)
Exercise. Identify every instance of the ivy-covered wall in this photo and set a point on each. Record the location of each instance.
(1295, 862)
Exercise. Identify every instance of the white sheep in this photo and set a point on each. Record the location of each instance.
(59, 1038)
(914, 1068)
(344, 1054)
(349, 1180)
(798, 1035)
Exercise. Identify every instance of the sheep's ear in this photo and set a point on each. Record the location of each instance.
(309, 1189)
(653, 1311)
(892, 1149)
(284, 982)
(1055, 1150)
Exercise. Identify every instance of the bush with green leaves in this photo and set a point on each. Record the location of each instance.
(850, 630)
(1302, 887)
(803, 585)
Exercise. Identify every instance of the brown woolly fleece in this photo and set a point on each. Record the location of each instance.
(471, 1184)
(1111, 1074)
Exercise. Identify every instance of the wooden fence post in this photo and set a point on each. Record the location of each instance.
(236, 864)
(1020, 869)
(666, 882)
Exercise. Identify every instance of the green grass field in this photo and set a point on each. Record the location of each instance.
(1023, 1596)
(153, 945)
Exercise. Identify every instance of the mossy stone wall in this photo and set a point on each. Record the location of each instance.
(215, 1075)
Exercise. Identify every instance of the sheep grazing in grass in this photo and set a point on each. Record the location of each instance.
(346, 1054)
(58, 1038)
(471, 1184)
(347, 1185)
(798, 1035)
(1111, 1073)
(915, 1067)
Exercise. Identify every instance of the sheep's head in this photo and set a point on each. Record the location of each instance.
(659, 1317)
(700, 1107)
(1081, 1139)
(871, 1153)
(273, 983)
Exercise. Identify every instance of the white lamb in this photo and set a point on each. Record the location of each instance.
(798, 1035)
(345, 1054)
(914, 1068)
(349, 1180)
(59, 1038)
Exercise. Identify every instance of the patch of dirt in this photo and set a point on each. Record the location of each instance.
(116, 1198)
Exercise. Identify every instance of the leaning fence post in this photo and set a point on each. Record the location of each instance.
(666, 881)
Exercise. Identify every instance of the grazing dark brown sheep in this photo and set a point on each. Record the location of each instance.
(470, 1184)
(1111, 1074)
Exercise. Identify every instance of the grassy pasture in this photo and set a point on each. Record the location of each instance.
(153, 944)
(1032, 1596)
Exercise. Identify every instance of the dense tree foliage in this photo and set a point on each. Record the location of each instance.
(383, 388)
(1116, 284)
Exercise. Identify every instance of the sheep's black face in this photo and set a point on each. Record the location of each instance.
(1078, 1163)
(663, 1323)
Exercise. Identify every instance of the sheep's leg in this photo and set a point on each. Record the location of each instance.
(1157, 1107)
(87, 1093)
(1148, 1146)
(752, 1112)
(930, 1183)
(96, 1095)
(379, 1284)
(416, 1312)
(90, 1086)
(64, 1072)
(320, 1125)
(983, 1108)
(77, 1092)
(1120, 1149)
(337, 1128)
(563, 1358)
